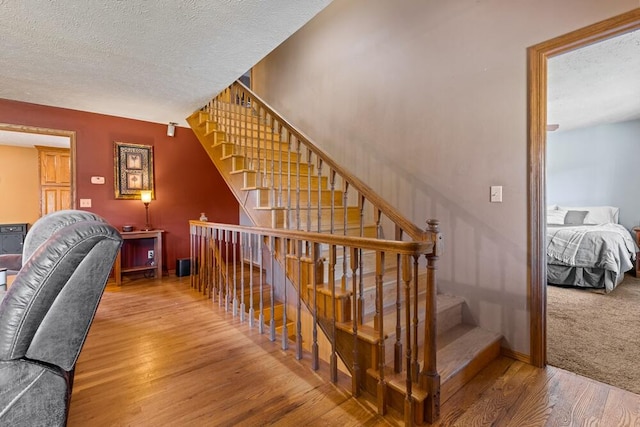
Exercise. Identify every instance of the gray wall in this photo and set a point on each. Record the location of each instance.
(596, 166)
(426, 101)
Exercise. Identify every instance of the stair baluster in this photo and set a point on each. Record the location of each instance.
(298, 185)
(416, 366)
(285, 331)
(234, 245)
(226, 280)
(193, 237)
(211, 261)
(408, 402)
(279, 202)
(315, 257)
(319, 208)
(333, 360)
(309, 155)
(355, 371)
(252, 311)
(272, 322)
(397, 359)
(345, 192)
(299, 305)
(272, 185)
(221, 288)
(361, 200)
(243, 257)
(261, 285)
(288, 214)
(381, 393)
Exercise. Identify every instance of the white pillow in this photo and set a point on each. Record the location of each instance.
(597, 214)
(556, 216)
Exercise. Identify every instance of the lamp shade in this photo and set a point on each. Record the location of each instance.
(145, 196)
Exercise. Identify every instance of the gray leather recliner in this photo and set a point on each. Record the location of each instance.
(43, 229)
(46, 314)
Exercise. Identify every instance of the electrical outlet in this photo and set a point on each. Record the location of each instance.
(150, 254)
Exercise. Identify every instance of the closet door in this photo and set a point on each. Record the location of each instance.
(55, 179)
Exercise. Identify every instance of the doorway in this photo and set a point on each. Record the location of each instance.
(29, 138)
(537, 127)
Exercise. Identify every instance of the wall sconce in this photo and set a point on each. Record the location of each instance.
(171, 129)
(145, 197)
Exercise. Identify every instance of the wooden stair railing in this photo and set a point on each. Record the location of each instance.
(284, 181)
(219, 253)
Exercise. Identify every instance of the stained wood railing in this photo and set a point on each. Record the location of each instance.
(238, 267)
(285, 181)
(296, 171)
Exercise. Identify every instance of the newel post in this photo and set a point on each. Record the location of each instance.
(429, 378)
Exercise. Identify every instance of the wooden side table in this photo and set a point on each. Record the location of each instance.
(156, 265)
(636, 230)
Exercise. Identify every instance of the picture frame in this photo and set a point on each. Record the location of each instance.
(133, 170)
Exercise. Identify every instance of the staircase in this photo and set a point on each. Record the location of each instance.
(318, 255)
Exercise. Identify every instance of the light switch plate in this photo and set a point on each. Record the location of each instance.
(85, 203)
(97, 179)
(496, 194)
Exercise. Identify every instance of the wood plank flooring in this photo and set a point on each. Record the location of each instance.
(161, 354)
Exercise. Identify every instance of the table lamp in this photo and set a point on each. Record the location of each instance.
(145, 196)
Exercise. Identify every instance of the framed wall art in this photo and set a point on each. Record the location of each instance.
(133, 165)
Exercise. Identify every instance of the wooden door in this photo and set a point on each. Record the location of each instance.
(55, 167)
(55, 179)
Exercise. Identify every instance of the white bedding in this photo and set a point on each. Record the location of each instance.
(608, 247)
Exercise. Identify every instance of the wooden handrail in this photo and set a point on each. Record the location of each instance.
(391, 212)
(221, 275)
(400, 247)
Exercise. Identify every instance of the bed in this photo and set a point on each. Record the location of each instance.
(586, 247)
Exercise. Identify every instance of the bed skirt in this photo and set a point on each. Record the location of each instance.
(583, 277)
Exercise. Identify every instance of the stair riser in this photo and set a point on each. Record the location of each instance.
(254, 143)
(368, 262)
(267, 197)
(235, 125)
(267, 167)
(236, 113)
(276, 180)
(304, 182)
(301, 223)
(229, 149)
(251, 133)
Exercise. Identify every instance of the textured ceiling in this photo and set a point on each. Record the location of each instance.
(161, 60)
(596, 84)
(153, 60)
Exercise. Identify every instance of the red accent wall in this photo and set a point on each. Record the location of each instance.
(186, 181)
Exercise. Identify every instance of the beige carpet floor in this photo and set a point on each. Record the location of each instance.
(596, 335)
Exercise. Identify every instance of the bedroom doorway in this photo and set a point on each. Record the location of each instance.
(538, 56)
(41, 152)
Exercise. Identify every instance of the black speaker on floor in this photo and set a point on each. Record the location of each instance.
(183, 267)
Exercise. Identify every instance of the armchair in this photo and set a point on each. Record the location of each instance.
(43, 229)
(46, 313)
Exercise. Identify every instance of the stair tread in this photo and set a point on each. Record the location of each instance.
(444, 302)
(462, 344)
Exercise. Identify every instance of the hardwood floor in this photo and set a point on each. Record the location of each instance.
(160, 354)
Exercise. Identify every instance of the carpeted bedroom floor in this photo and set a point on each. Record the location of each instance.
(596, 335)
